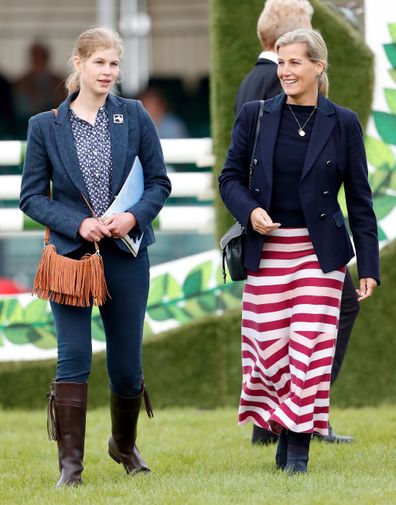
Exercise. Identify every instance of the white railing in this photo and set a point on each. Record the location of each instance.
(198, 185)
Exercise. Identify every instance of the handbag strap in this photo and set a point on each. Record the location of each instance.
(253, 160)
(47, 230)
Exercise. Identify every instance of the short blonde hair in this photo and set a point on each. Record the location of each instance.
(281, 16)
(86, 44)
(316, 50)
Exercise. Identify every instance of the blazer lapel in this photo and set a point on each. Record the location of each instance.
(119, 128)
(321, 131)
(67, 148)
(268, 136)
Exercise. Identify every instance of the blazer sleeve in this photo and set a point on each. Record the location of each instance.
(157, 185)
(34, 200)
(361, 215)
(234, 178)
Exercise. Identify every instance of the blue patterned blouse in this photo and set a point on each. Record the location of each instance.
(94, 154)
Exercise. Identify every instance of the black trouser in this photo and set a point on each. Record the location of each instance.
(348, 313)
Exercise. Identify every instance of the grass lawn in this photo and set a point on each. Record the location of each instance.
(201, 457)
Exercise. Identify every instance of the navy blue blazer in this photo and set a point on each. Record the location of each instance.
(51, 155)
(335, 156)
(261, 82)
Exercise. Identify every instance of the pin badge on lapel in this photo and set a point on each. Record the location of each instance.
(118, 118)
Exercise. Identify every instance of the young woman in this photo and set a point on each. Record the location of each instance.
(297, 244)
(87, 150)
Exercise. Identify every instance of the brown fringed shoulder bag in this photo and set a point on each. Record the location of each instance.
(68, 281)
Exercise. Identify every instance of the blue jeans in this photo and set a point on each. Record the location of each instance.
(122, 316)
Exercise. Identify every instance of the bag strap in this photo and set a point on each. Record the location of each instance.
(253, 160)
(47, 230)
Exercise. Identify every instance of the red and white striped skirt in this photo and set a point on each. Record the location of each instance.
(290, 318)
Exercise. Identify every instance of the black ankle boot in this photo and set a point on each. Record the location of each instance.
(297, 452)
(281, 450)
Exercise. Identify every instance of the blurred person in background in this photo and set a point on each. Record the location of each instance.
(7, 113)
(262, 82)
(37, 90)
(168, 124)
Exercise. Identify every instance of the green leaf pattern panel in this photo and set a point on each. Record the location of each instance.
(380, 151)
(194, 294)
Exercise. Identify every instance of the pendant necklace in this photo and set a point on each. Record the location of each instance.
(300, 130)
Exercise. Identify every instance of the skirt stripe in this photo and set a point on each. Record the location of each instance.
(290, 315)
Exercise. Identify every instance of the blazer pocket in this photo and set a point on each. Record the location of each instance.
(339, 219)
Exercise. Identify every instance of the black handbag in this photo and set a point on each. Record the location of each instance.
(232, 242)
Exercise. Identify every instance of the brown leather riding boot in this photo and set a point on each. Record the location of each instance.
(67, 409)
(124, 418)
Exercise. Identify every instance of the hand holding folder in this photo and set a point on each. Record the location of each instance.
(130, 193)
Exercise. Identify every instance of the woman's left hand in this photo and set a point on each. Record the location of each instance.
(366, 289)
(120, 224)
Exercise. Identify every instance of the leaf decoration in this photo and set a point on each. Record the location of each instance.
(209, 303)
(163, 288)
(383, 205)
(390, 51)
(342, 201)
(386, 126)
(219, 275)
(381, 234)
(180, 314)
(390, 95)
(392, 31)
(159, 313)
(378, 180)
(198, 279)
(8, 308)
(20, 334)
(379, 154)
(43, 336)
(97, 329)
(36, 312)
(147, 330)
(14, 312)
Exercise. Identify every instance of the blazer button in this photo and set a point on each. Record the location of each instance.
(322, 216)
(257, 190)
(254, 161)
(329, 163)
(325, 193)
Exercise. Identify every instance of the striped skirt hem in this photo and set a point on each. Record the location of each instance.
(290, 315)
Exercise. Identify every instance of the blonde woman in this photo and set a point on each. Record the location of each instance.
(297, 244)
(88, 149)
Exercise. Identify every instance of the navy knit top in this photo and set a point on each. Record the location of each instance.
(289, 156)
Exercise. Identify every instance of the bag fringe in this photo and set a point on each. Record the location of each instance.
(52, 428)
(67, 281)
(147, 402)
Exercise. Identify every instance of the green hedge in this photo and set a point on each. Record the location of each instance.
(200, 365)
(234, 50)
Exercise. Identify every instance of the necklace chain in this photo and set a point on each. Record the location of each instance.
(300, 130)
